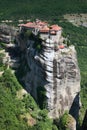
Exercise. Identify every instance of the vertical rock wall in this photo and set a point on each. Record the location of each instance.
(57, 72)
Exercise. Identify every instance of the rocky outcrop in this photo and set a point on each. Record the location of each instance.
(55, 70)
(7, 33)
(58, 73)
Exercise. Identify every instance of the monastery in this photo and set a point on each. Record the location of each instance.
(46, 32)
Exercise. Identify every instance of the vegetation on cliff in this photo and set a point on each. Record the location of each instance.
(17, 110)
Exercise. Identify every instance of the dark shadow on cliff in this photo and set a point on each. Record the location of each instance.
(84, 124)
(74, 110)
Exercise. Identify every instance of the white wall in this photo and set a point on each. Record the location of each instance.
(44, 36)
(56, 37)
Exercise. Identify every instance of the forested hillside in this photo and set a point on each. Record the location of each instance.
(18, 109)
(40, 8)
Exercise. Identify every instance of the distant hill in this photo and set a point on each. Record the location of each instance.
(40, 8)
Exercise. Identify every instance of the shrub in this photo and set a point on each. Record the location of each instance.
(65, 122)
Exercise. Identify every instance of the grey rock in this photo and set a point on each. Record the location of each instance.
(57, 72)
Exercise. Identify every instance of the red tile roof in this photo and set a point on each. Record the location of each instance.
(61, 47)
(55, 27)
(44, 29)
(29, 25)
(42, 26)
(42, 23)
(37, 24)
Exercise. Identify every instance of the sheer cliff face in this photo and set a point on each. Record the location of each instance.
(57, 72)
